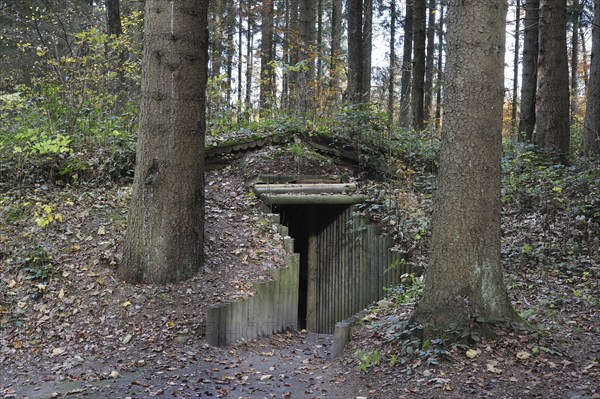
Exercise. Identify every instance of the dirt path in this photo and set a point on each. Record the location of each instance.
(290, 365)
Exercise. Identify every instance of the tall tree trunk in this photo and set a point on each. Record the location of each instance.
(591, 133)
(336, 51)
(355, 51)
(429, 61)
(240, 55)
(575, 61)
(267, 88)
(113, 17)
(217, 37)
(165, 233)
(515, 97)
(367, 45)
(249, 62)
(585, 67)
(418, 76)
(392, 71)
(440, 69)
(529, 74)
(293, 37)
(320, 52)
(552, 102)
(230, 22)
(464, 281)
(306, 54)
(405, 79)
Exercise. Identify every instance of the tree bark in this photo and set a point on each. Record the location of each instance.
(113, 18)
(440, 70)
(336, 51)
(591, 133)
(392, 69)
(306, 54)
(367, 45)
(429, 62)
(406, 66)
(575, 62)
(529, 73)
(515, 97)
(267, 88)
(355, 49)
(464, 282)
(552, 101)
(165, 233)
(418, 76)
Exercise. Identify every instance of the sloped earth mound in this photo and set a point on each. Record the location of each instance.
(68, 328)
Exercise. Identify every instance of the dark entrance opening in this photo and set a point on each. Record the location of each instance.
(305, 222)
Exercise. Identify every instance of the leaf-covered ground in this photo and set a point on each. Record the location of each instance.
(69, 328)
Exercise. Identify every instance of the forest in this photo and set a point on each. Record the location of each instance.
(300, 198)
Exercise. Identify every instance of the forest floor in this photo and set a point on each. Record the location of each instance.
(69, 328)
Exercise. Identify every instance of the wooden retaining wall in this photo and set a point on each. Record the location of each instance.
(272, 309)
(349, 264)
(353, 265)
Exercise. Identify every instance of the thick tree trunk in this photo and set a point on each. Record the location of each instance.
(113, 17)
(529, 73)
(591, 133)
(165, 233)
(406, 67)
(429, 61)
(552, 101)
(418, 75)
(464, 281)
(355, 49)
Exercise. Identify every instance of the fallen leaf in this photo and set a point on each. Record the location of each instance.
(57, 351)
(491, 367)
(101, 231)
(126, 339)
(12, 284)
(472, 353)
(114, 374)
(523, 355)
(266, 377)
(126, 303)
(61, 294)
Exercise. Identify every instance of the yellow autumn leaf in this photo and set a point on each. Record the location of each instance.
(523, 355)
(61, 293)
(491, 367)
(170, 325)
(126, 303)
(472, 353)
(12, 284)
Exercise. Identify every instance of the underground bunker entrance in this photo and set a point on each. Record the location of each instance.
(304, 223)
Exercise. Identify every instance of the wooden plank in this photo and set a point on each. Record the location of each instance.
(312, 199)
(308, 188)
(311, 300)
(300, 179)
